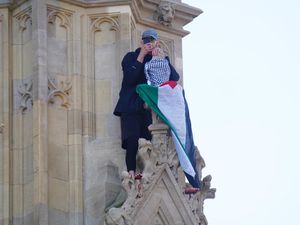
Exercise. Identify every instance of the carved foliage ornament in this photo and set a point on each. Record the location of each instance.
(165, 13)
(25, 91)
(59, 89)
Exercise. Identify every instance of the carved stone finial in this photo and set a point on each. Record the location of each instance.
(196, 201)
(165, 13)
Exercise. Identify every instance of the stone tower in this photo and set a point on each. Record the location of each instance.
(60, 156)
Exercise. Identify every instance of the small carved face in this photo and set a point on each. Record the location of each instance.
(166, 12)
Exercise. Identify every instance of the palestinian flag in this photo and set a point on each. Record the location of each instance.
(169, 103)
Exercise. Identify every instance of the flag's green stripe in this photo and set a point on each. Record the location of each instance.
(150, 95)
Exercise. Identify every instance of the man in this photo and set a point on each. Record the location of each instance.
(135, 119)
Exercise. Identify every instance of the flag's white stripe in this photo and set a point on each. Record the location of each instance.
(183, 159)
(171, 104)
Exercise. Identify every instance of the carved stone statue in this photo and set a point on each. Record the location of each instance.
(165, 13)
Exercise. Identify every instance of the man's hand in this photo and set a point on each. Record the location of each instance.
(145, 49)
(146, 106)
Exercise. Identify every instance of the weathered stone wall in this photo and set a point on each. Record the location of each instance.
(4, 117)
(60, 155)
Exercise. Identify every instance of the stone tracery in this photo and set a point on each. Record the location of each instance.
(23, 17)
(158, 162)
(61, 89)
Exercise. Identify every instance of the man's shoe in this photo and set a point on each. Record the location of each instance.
(191, 190)
(138, 176)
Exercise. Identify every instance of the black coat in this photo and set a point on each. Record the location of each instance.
(133, 74)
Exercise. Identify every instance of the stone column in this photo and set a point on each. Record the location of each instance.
(4, 117)
(21, 117)
(40, 121)
(108, 38)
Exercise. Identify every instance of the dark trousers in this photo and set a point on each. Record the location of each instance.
(134, 126)
(131, 152)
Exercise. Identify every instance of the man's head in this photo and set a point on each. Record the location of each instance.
(149, 36)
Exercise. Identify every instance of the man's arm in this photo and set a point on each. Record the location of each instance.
(131, 68)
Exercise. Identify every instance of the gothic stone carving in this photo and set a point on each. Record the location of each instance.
(165, 13)
(157, 161)
(23, 17)
(96, 22)
(25, 92)
(64, 15)
(196, 201)
(61, 89)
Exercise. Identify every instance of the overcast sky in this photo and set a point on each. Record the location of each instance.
(242, 83)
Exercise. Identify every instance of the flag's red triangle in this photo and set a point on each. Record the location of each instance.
(171, 83)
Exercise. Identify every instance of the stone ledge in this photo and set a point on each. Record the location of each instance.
(143, 11)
